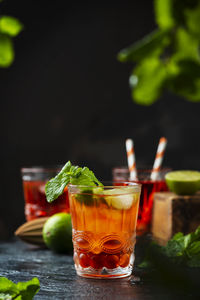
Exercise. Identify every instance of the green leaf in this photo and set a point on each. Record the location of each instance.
(177, 236)
(194, 248)
(55, 187)
(86, 177)
(197, 233)
(10, 26)
(151, 45)
(6, 51)
(175, 248)
(186, 79)
(7, 286)
(192, 20)
(186, 45)
(19, 291)
(150, 76)
(28, 289)
(69, 174)
(171, 13)
(164, 13)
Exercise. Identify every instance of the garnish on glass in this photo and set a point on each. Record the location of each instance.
(70, 174)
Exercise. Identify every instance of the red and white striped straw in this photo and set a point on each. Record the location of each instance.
(159, 158)
(131, 159)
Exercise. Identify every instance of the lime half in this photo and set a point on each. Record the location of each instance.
(121, 198)
(183, 182)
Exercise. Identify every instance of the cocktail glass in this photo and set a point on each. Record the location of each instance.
(103, 229)
(34, 180)
(149, 187)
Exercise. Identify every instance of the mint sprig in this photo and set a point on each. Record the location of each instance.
(69, 174)
(182, 250)
(22, 290)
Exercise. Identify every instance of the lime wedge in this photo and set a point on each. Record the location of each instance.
(183, 182)
(121, 198)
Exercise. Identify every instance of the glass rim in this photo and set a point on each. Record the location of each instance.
(120, 184)
(41, 168)
(125, 169)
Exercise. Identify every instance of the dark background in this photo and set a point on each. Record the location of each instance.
(67, 97)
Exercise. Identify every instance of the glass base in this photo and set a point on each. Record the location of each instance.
(105, 273)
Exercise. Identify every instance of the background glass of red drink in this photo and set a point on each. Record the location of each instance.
(36, 205)
(149, 187)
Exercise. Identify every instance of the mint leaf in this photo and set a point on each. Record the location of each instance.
(174, 248)
(10, 25)
(6, 51)
(185, 79)
(192, 17)
(186, 45)
(8, 287)
(69, 174)
(28, 289)
(19, 291)
(177, 236)
(150, 77)
(85, 177)
(55, 187)
(164, 13)
(194, 248)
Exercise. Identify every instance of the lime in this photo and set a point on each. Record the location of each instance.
(121, 198)
(57, 233)
(183, 182)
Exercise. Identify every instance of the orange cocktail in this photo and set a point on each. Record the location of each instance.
(104, 223)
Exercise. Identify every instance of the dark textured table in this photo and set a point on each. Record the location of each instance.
(21, 262)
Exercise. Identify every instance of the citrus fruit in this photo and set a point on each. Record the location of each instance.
(183, 182)
(57, 233)
(121, 198)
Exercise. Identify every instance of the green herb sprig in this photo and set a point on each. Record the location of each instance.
(168, 58)
(69, 174)
(20, 291)
(183, 250)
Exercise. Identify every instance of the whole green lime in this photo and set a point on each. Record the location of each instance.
(57, 233)
(184, 182)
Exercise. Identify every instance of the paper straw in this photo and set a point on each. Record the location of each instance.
(131, 159)
(159, 158)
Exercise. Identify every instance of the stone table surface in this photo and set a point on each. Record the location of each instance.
(58, 279)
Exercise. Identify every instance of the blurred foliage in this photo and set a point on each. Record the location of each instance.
(168, 58)
(9, 28)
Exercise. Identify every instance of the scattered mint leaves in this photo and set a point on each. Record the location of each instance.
(69, 174)
(183, 250)
(21, 291)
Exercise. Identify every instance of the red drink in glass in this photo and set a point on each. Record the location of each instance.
(36, 205)
(149, 187)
